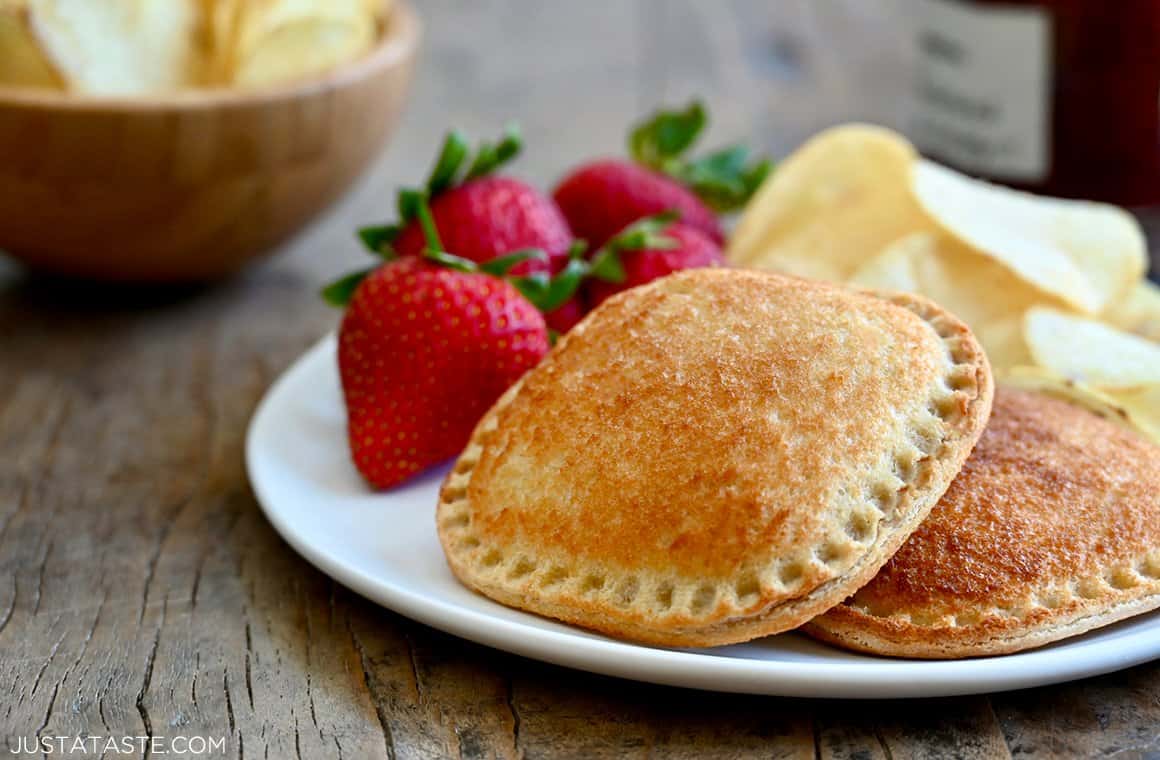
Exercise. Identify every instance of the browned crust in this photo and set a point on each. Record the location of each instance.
(1052, 529)
(850, 629)
(727, 617)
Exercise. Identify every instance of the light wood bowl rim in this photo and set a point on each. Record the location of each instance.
(399, 41)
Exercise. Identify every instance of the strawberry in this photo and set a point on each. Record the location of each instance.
(647, 250)
(491, 216)
(603, 197)
(481, 216)
(425, 347)
(423, 352)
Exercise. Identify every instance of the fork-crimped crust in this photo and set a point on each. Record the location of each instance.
(715, 456)
(1051, 529)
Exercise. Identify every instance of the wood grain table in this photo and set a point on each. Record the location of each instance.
(143, 594)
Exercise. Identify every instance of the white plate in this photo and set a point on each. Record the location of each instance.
(384, 547)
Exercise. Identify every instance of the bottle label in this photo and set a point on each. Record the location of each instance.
(983, 87)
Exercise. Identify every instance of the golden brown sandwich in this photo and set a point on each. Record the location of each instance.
(715, 456)
(1051, 529)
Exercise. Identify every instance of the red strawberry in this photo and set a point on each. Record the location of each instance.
(492, 216)
(601, 198)
(646, 257)
(423, 352)
(480, 216)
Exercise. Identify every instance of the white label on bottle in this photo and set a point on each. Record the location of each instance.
(983, 79)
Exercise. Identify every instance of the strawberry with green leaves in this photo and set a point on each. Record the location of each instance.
(603, 197)
(482, 215)
(647, 250)
(429, 342)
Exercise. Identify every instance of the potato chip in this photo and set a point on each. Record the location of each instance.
(836, 200)
(220, 27)
(299, 50)
(1089, 351)
(896, 266)
(983, 293)
(22, 63)
(117, 48)
(1128, 409)
(283, 40)
(377, 9)
(1143, 407)
(1087, 254)
(1139, 312)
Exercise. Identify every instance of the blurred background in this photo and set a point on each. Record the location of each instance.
(1058, 96)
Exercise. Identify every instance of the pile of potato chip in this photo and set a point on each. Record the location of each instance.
(137, 47)
(1054, 289)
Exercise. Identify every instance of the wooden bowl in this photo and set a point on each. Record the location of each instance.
(190, 186)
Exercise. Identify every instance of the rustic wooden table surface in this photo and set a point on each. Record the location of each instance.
(142, 593)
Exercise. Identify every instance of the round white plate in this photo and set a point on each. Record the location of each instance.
(383, 545)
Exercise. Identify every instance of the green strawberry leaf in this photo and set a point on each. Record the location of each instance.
(564, 285)
(500, 266)
(378, 239)
(510, 144)
(450, 260)
(532, 286)
(451, 157)
(727, 162)
(719, 193)
(409, 200)
(666, 135)
(606, 266)
(724, 179)
(756, 174)
(646, 233)
(339, 292)
(490, 157)
(485, 160)
(550, 293)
